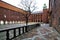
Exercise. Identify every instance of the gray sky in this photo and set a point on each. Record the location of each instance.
(39, 3)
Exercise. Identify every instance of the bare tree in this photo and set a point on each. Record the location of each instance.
(29, 6)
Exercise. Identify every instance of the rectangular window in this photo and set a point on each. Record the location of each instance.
(53, 3)
(59, 21)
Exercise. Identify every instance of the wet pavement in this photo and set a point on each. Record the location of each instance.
(8, 26)
(41, 33)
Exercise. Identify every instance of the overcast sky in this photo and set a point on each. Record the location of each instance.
(39, 3)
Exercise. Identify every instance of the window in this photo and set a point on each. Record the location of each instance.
(59, 20)
(53, 3)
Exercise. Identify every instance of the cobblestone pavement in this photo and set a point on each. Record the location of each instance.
(40, 33)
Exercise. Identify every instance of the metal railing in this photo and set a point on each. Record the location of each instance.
(24, 30)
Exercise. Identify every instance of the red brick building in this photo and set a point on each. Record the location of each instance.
(40, 17)
(12, 13)
(35, 17)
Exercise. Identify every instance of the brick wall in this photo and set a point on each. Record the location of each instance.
(10, 15)
(45, 16)
(55, 14)
(15, 16)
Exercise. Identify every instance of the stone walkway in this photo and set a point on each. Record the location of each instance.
(40, 33)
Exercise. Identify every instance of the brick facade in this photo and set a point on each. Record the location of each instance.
(45, 16)
(55, 14)
(35, 17)
(10, 15)
(40, 17)
(6, 14)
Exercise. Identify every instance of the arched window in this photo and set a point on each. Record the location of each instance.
(2, 22)
(59, 20)
(54, 3)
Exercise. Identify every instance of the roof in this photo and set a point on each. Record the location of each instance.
(10, 7)
(38, 12)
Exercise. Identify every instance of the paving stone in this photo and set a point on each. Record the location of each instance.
(37, 38)
(41, 33)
